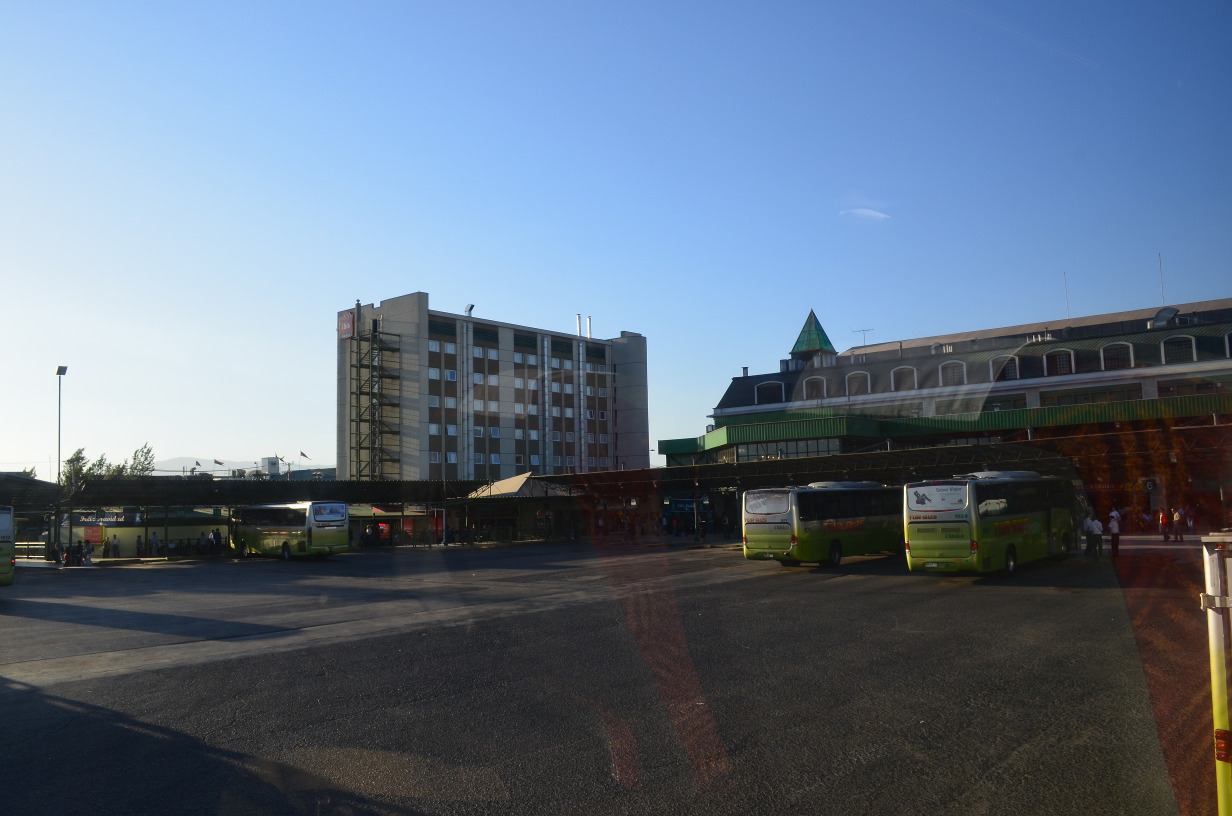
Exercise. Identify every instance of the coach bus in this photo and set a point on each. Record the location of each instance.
(992, 520)
(822, 522)
(8, 546)
(300, 529)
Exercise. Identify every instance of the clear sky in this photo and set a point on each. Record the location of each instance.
(191, 191)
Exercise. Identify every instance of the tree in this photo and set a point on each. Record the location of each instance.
(73, 469)
(143, 461)
(31, 472)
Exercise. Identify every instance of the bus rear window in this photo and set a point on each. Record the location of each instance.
(767, 502)
(936, 498)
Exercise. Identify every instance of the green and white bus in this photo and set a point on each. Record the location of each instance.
(300, 529)
(822, 522)
(992, 520)
(8, 547)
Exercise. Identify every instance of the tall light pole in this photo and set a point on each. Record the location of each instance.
(60, 372)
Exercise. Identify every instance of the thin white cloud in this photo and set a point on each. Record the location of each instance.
(865, 214)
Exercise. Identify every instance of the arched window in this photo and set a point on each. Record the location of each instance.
(1117, 356)
(903, 379)
(815, 388)
(1179, 349)
(1001, 369)
(858, 383)
(768, 392)
(953, 373)
(1058, 363)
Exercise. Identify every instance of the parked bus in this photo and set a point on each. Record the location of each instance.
(293, 530)
(822, 522)
(992, 520)
(8, 547)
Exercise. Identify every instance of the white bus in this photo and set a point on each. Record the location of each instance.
(822, 522)
(299, 529)
(992, 520)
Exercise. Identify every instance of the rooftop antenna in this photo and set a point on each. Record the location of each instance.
(1065, 278)
(864, 335)
(1162, 300)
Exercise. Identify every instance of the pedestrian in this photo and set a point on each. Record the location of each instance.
(1165, 522)
(1189, 520)
(1114, 532)
(140, 547)
(1178, 523)
(1095, 535)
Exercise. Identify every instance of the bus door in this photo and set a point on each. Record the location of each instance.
(937, 525)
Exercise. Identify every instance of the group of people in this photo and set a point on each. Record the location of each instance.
(1175, 522)
(1094, 532)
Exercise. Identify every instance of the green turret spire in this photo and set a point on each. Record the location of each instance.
(812, 338)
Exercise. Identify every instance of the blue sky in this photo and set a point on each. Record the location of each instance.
(192, 191)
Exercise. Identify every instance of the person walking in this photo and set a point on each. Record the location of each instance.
(1095, 535)
(1165, 521)
(1114, 533)
(1178, 523)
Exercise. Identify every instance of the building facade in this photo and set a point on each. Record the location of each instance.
(1140, 399)
(428, 395)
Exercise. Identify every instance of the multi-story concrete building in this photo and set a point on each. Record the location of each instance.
(425, 395)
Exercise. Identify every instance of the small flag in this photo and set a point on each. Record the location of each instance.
(219, 463)
(304, 455)
(198, 464)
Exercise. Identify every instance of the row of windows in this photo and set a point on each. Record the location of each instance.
(519, 408)
(1060, 362)
(451, 457)
(478, 378)
(494, 431)
(518, 357)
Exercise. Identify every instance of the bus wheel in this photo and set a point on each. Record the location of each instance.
(1011, 561)
(836, 554)
(286, 551)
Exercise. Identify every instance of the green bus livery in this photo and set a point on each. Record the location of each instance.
(301, 529)
(992, 520)
(822, 522)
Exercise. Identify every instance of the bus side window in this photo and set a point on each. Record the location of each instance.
(807, 503)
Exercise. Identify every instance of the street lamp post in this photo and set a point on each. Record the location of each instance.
(60, 372)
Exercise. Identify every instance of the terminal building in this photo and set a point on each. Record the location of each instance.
(1141, 400)
(432, 395)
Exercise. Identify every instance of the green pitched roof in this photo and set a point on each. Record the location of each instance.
(812, 337)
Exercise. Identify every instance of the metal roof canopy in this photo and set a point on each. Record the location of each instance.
(169, 492)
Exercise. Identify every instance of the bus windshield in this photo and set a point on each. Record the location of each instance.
(767, 502)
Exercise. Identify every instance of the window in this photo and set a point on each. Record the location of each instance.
(517, 459)
(568, 365)
(1058, 363)
(590, 461)
(534, 459)
(534, 435)
(479, 458)
(434, 457)
(602, 461)
(494, 458)
(555, 410)
(555, 362)
(555, 388)
(434, 373)
(493, 379)
(494, 432)
(532, 409)
(477, 378)
(590, 439)
(1117, 356)
(519, 408)
(602, 392)
(815, 388)
(569, 436)
(434, 401)
(555, 436)
(451, 430)
(556, 461)
(602, 439)
(568, 413)
(478, 431)
(1003, 368)
(570, 461)
(451, 348)
(434, 429)
(1178, 350)
(451, 403)
(476, 351)
(590, 390)
(518, 433)
(451, 375)
(857, 383)
(531, 359)
(603, 415)
(953, 374)
(451, 457)
(768, 392)
(493, 354)
(568, 388)
(590, 414)
(533, 385)
(518, 382)
(903, 379)
(434, 345)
